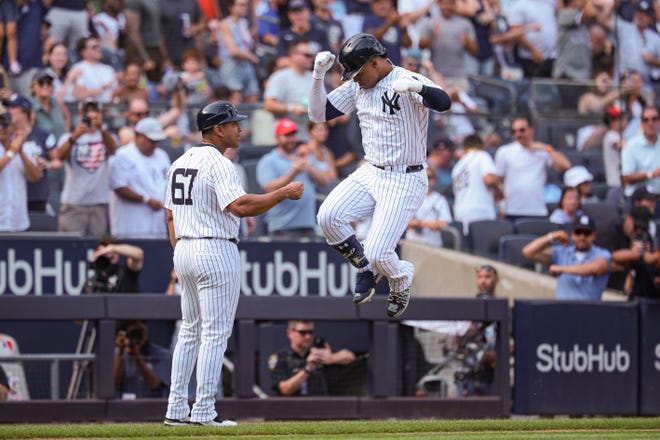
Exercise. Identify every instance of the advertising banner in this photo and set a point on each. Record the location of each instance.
(59, 266)
(649, 346)
(575, 357)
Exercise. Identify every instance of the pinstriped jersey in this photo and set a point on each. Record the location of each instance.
(394, 126)
(200, 186)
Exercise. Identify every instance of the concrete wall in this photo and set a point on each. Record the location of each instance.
(441, 272)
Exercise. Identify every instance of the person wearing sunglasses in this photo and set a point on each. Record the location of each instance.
(640, 160)
(297, 370)
(582, 268)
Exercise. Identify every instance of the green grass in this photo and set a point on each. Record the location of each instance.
(592, 428)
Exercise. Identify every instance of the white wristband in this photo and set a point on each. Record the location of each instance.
(145, 199)
(10, 154)
(550, 237)
(649, 175)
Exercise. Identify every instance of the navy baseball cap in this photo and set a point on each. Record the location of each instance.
(16, 100)
(584, 222)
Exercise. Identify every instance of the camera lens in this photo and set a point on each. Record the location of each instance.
(102, 263)
(134, 337)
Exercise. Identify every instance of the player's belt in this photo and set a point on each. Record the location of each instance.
(233, 240)
(402, 168)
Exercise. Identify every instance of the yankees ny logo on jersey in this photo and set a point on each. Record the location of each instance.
(391, 103)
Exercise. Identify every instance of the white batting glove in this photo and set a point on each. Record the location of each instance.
(322, 63)
(405, 85)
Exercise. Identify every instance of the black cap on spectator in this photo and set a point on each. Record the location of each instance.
(443, 143)
(642, 193)
(641, 216)
(295, 5)
(646, 7)
(584, 222)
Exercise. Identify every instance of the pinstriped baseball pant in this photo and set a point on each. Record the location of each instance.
(209, 271)
(391, 199)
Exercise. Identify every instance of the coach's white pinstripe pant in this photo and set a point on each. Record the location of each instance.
(209, 271)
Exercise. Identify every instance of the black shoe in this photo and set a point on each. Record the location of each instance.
(177, 422)
(397, 303)
(365, 287)
(218, 421)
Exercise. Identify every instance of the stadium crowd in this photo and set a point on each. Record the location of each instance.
(100, 101)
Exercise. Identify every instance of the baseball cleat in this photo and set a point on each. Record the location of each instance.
(397, 303)
(365, 287)
(218, 421)
(177, 422)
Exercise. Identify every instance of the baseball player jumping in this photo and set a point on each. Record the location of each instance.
(392, 105)
(204, 200)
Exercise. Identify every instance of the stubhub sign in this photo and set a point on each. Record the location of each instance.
(576, 357)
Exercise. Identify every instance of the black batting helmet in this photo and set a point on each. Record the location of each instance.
(216, 113)
(355, 53)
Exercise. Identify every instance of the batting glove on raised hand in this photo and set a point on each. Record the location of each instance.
(405, 85)
(322, 63)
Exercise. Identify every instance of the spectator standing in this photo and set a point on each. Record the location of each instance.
(110, 26)
(9, 40)
(297, 370)
(182, 23)
(281, 166)
(51, 115)
(287, 90)
(384, 23)
(39, 145)
(640, 159)
(143, 26)
(86, 153)
(268, 39)
(16, 169)
(300, 29)
(538, 59)
(638, 47)
(483, 63)
(433, 215)
(30, 44)
(603, 94)
(93, 80)
(414, 14)
(581, 268)
(476, 185)
(449, 38)
(568, 208)
(237, 53)
(574, 53)
(616, 121)
(322, 18)
(316, 146)
(522, 167)
(68, 22)
(355, 13)
(138, 176)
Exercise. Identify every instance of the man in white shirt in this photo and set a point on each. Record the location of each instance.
(475, 183)
(94, 80)
(138, 180)
(522, 167)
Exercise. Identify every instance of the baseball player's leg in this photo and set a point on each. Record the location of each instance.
(219, 290)
(188, 340)
(401, 194)
(350, 202)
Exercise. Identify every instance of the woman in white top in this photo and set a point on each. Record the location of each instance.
(318, 135)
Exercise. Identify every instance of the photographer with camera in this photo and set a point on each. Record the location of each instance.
(109, 275)
(85, 153)
(582, 268)
(640, 256)
(298, 369)
(141, 368)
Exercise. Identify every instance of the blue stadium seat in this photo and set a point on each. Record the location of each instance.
(510, 250)
(534, 226)
(485, 236)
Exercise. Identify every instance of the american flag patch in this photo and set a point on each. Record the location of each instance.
(90, 156)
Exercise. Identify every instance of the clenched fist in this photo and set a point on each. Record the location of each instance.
(322, 63)
(294, 190)
(405, 85)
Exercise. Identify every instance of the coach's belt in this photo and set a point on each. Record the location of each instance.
(402, 168)
(232, 240)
